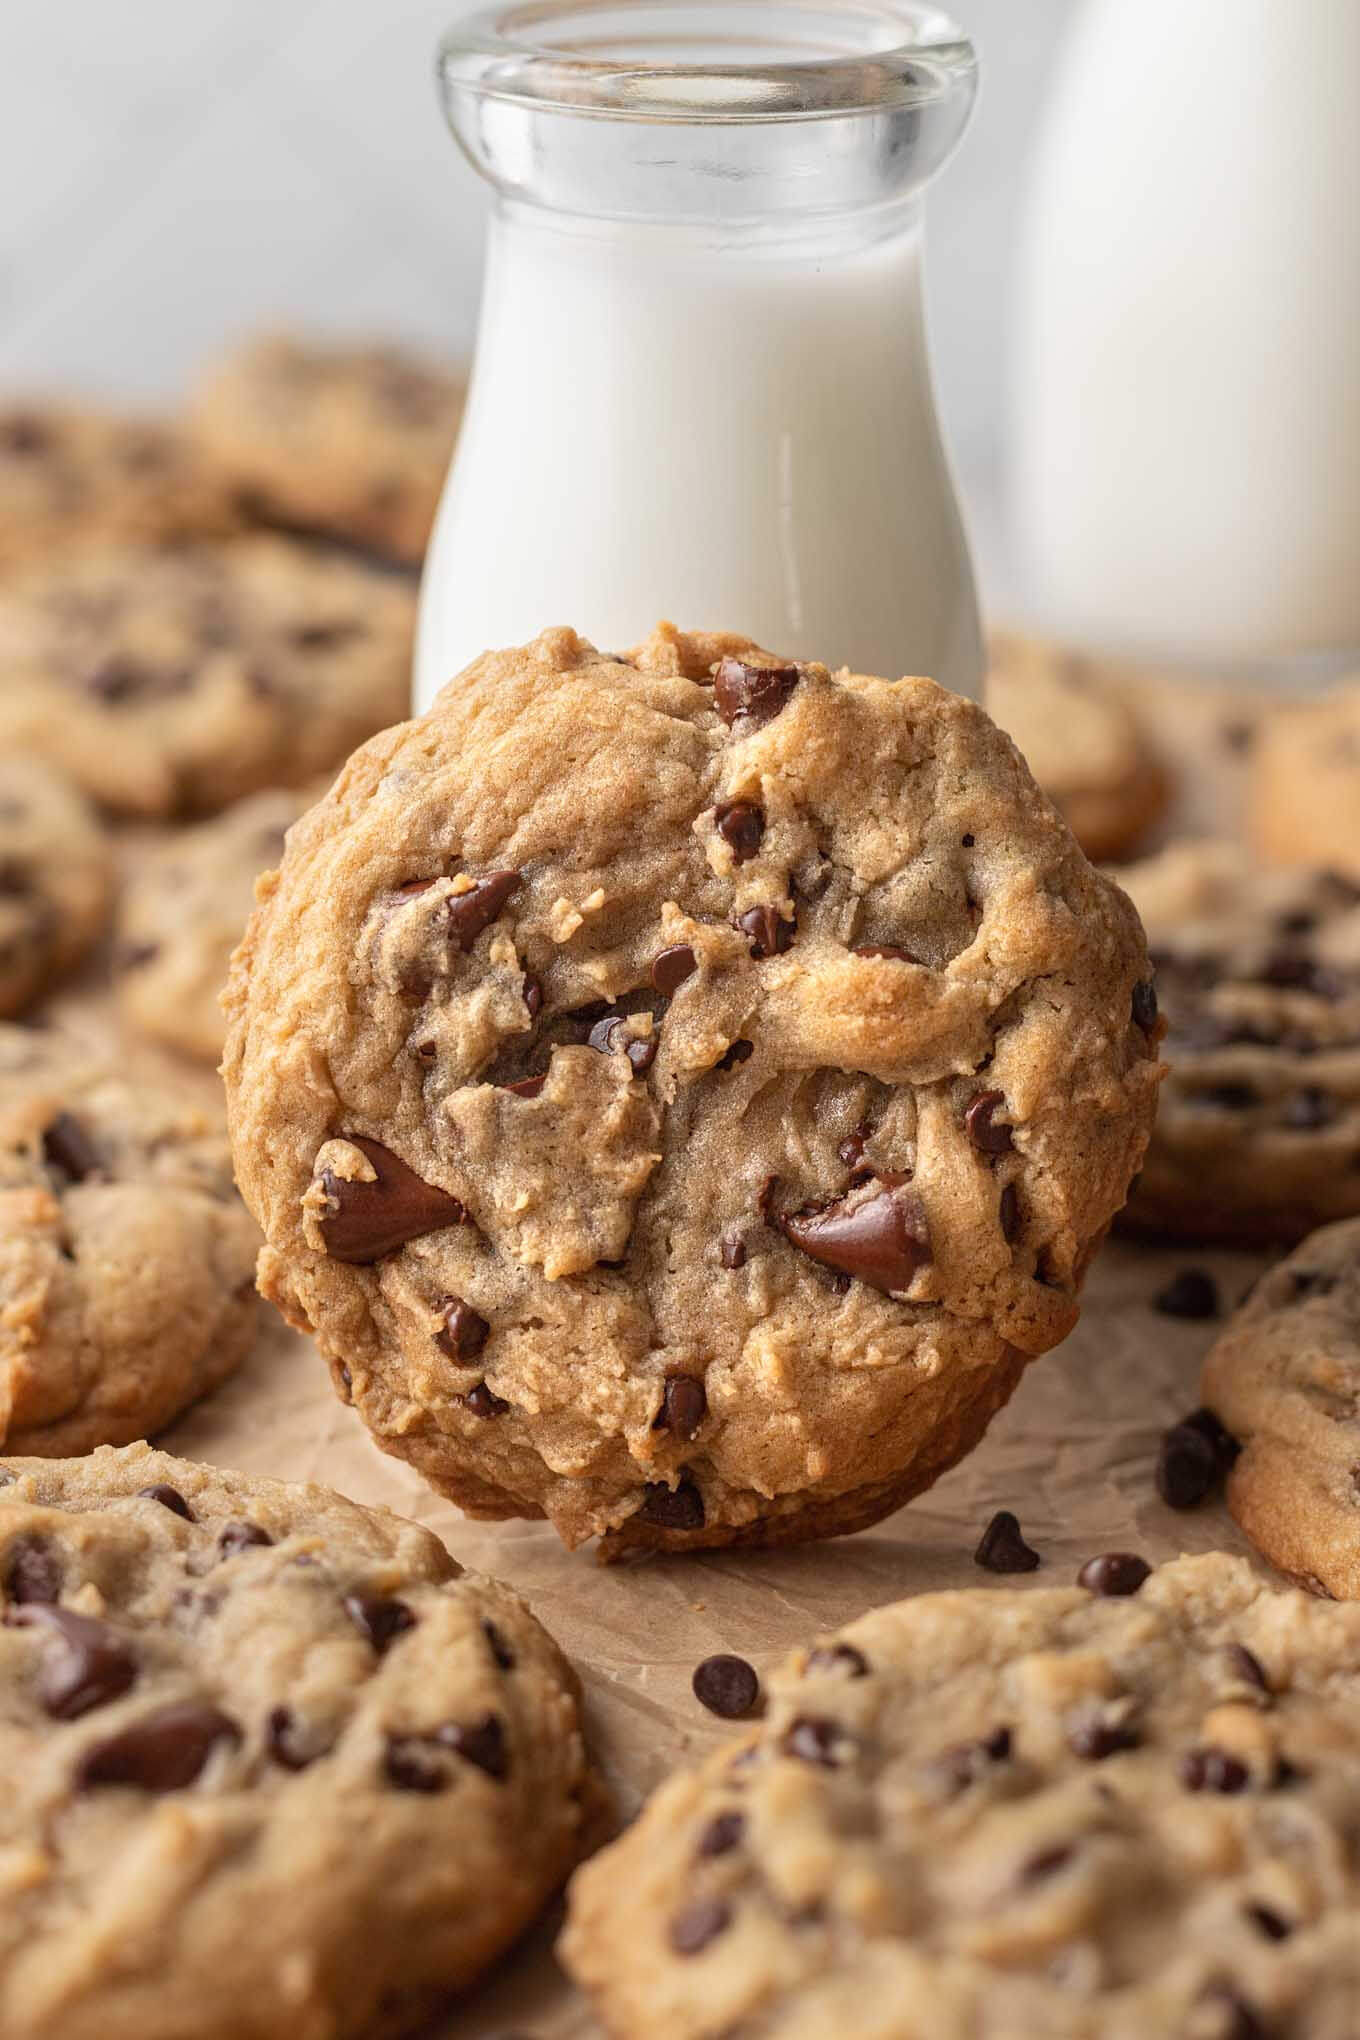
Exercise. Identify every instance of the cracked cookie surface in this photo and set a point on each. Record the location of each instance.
(273, 1763)
(56, 878)
(126, 1255)
(994, 1815)
(682, 1092)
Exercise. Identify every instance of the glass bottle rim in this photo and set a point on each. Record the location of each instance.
(710, 61)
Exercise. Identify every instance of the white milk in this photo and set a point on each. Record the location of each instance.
(1188, 407)
(661, 427)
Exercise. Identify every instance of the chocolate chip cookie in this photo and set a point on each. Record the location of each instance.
(1080, 738)
(1305, 788)
(126, 1257)
(1126, 1811)
(170, 683)
(182, 913)
(1258, 971)
(354, 441)
(1284, 1380)
(71, 477)
(274, 1764)
(55, 878)
(681, 1092)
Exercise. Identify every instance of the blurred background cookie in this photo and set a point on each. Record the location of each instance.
(175, 683)
(351, 441)
(55, 878)
(1080, 737)
(1305, 794)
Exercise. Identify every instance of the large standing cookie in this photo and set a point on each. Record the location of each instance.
(1128, 1812)
(126, 1256)
(1305, 790)
(349, 440)
(56, 878)
(182, 913)
(1258, 973)
(75, 477)
(273, 1764)
(1284, 1379)
(1080, 739)
(177, 682)
(681, 1092)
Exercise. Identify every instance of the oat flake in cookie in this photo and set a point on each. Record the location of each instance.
(56, 878)
(274, 1765)
(126, 1255)
(682, 1092)
(1011, 1815)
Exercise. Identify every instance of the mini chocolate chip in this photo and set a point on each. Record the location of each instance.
(367, 1221)
(724, 1833)
(410, 1763)
(611, 1034)
(1145, 1005)
(733, 1250)
(1114, 1572)
(960, 1766)
(1094, 1738)
(742, 827)
(481, 1743)
(698, 1923)
(987, 1137)
(482, 1402)
(766, 930)
(1187, 1467)
(748, 696)
(379, 1618)
(163, 1752)
(677, 1508)
(878, 1235)
(814, 1740)
(238, 1537)
(68, 1147)
(1190, 1294)
(726, 1685)
(463, 1333)
(684, 1405)
(286, 1742)
(1269, 1922)
(533, 997)
(1002, 1549)
(33, 1572)
(169, 1498)
(671, 968)
(467, 914)
(1213, 1770)
(838, 1657)
(1309, 1110)
(1247, 1667)
(886, 952)
(1008, 1212)
(85, 1663)
(499, 1648)
(739, 1052)
(969, 841)
(528, 1087)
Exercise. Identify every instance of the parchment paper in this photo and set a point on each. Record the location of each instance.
(1073, 1455)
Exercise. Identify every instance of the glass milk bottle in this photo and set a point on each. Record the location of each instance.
(702, 388)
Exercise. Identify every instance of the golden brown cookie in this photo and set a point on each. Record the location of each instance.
(56, 878)
(1305, 787)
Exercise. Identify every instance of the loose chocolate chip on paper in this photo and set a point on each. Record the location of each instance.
(1187, 1467)
(987, 1136)
(68, 1147)
(1192, 1293)
(1114, 1572)
(677, 1508)
(748, 696)
(169, 1498)
(463, 1332)
(163, 1752)
(85, 1663)
(369, 1220)
(684, 1405)
(726, 1685)
(1002, 1548)
(698, 1923)
(879, 1236)
(379, 1618)
(467, 914)
(766, 930)
(741, 824)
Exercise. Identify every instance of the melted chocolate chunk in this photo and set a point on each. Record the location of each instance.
(610, 1035)
(1114, 1572)
(724, 1832)
(1213, 1770)
(169, 1498)
(748, 696)
(881, 1237)
(739, 1052)
(467, 914)
(726, 1685)
(85, 1663)
(483, 1403)
(677, 1508)
(533, 997)
(838, 1657)
(671, 968)
(234, 1538)
(698, 1923)
(1191, 1294)
(33, 1572)
(1002, 1549)
(684, 1405)
(369, 1220)
(379, 1618)
(987, 1137)
(68, 1147)
(481, 1743)
(851, 1149)
(1008, 1214)
(741, 824)
(163, 1752)
(766, 930)
(463, 1333)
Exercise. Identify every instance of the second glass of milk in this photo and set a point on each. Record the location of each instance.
(702, 388)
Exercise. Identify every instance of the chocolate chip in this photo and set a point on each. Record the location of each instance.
(85, 1663)
(987, 1137)
(533, 997)
(136, 955)
(483, 1403)
(1305, 1282)
(33, 1572)
(1229, 1097)
(671, 967)
(1187, 1467)
(838, 1657)
(369, 1220)
(1309, 1110)
(766, 930)
(1047, 1863)
(1097, 1736)
(1002, 1549)
(68, 1147)
(677, 1508)
(499, 1648)
(968, 841)
(742, 827)
(851, 1149)
(467, 914)
(237, 1537)
(815, 1740)
(886, 952)
(463, 1333)
(410, 1762)
(726, 1685)
(698, 1923)
(739, 1052)
(610, 1035)
(733, 1250)
(1247, 1667)
(748, 696)
(1213, 1770)
(724, 1833)
(1269, 1922)
(684, 1405)
(169, 1498)
(323, 637)
(1233, 2017)
(1190, 1294)
(286, 1740)
(1114, 1572)
(481, 1743)
(1008, 1213)
(163, 1752)
(878, 1235)
(1224, 1446)
(955, 1769)
(1145, 1005)
(528, 1087)
(116, 681)
(379, 1618)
